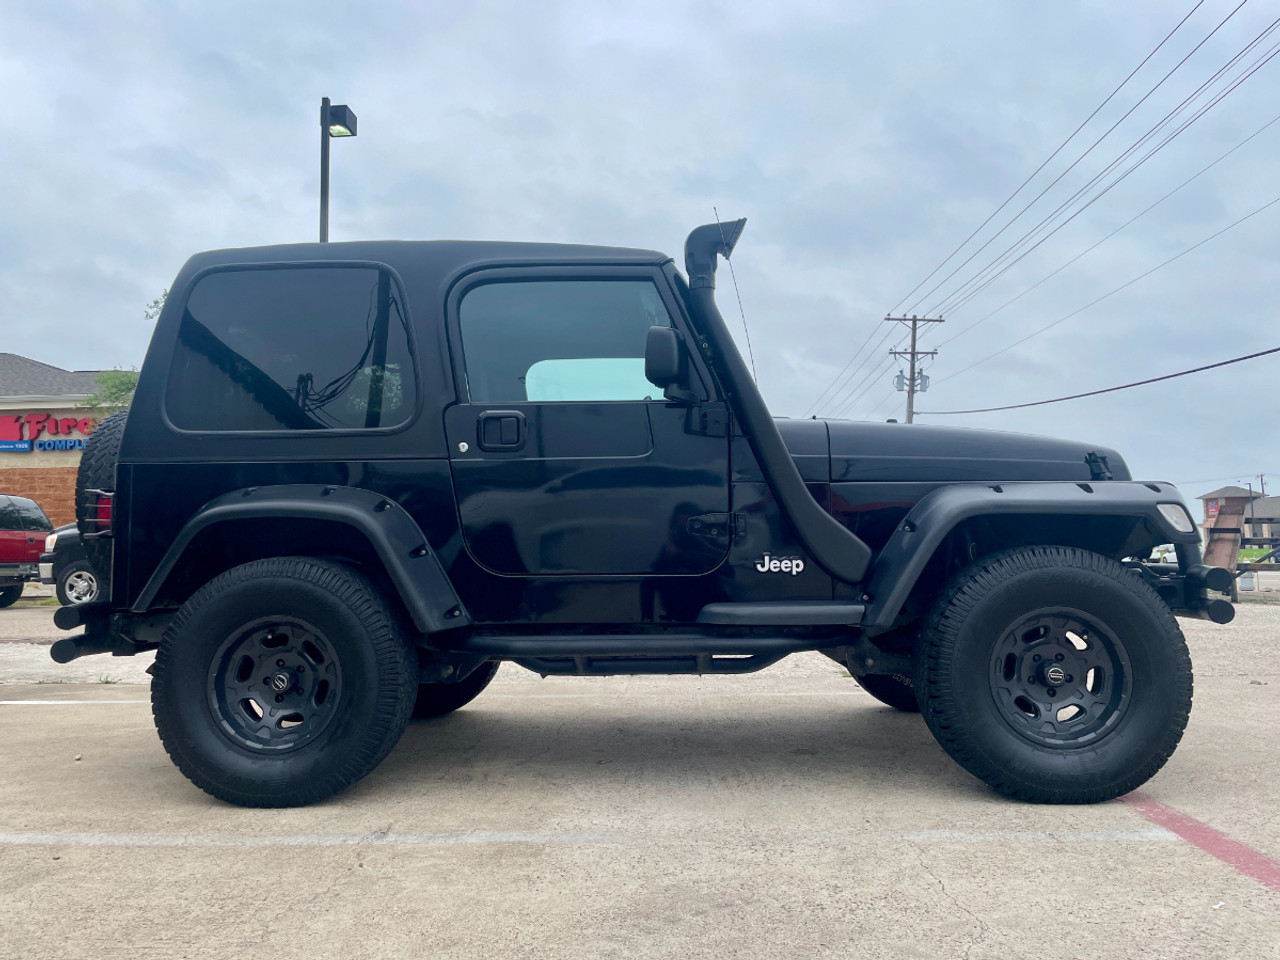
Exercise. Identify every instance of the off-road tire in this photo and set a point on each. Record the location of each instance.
(311, 623)
(78, 583)
(438, 699)
(9, 595)
(98, 472)
(995, 615)
(895, 690)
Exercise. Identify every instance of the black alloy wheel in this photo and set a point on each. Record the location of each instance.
(1060, 678)
(1055, 675)
(275, 684)
(281, 682)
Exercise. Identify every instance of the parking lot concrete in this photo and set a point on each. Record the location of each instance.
(780, 814)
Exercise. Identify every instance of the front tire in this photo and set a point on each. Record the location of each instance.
(281, 682)
(9, 595)
(77, 584)
(1054, 675)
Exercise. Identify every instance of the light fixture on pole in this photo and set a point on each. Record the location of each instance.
(335, 121)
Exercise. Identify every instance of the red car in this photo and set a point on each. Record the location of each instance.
(23, 527)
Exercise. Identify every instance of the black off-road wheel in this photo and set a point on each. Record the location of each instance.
(98, 472)
(896, 690)
(438, 699)
(1054, 675)
(78, 583)
(281, 682)
(9, 595)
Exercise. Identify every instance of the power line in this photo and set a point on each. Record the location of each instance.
(1094, 393)
(838, 397)
(867, 384)
(1111, 293)
(1073, 164)
(958, 297)
(963, 330)
(1058, 150)
(822, 396)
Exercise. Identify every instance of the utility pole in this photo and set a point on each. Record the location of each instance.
(913, 381)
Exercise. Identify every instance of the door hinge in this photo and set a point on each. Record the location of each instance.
(718, 526)
(709, 420)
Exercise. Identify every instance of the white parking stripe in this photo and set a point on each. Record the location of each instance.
(60, 703)
(966, 837)
(603, 695)
(301, 840)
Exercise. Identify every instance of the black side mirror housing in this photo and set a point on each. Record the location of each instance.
(666, 364)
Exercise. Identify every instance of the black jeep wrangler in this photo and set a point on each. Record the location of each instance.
(356, 477)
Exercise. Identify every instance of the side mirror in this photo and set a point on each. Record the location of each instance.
(666, 364)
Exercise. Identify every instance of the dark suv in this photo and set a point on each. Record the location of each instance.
(356, 477)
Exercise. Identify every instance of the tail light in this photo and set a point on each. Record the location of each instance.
(101, 514)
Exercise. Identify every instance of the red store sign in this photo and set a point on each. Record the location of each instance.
(22, 433)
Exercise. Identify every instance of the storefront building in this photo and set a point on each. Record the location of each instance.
(42, 432)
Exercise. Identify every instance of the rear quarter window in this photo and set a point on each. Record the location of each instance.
(292, 348)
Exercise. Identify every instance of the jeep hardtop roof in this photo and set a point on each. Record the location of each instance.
(438, 257)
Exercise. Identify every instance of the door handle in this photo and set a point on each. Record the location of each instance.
(501, 430)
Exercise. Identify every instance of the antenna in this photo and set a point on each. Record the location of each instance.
(734, 277)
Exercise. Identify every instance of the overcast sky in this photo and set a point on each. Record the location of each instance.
(864, 141)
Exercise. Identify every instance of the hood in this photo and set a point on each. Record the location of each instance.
(923, 452)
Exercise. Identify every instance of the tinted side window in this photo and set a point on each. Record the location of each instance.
(9, 519)
(295, 348)
(33, 517)
(559, 340)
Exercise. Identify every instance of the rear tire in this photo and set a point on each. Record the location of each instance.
(98, 472)
(895, 690)
(1055, 675)
(9, 595)
(281, 682)
(438, 699)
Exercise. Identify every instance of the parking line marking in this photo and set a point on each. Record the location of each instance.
(521, 696)
(59, 703)
(300, 840)
(244, 841)
(1252, 863)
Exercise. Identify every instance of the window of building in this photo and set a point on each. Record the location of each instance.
(292, 348)
(559, 340)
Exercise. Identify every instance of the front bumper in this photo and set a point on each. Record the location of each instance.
(46, 568)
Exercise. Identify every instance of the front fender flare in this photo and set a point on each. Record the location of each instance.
(913, 543)
(399, 542)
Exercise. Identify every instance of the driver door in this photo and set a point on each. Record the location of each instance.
(566, 461)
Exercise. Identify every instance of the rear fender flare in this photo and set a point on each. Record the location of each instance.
(412, 565)
(912, 544)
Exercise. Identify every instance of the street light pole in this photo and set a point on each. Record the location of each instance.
(336, 120)
(324, 170)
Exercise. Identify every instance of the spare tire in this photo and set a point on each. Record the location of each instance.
(98, 473)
